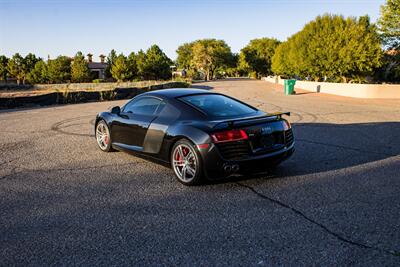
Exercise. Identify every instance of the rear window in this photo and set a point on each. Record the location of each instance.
(218, 106)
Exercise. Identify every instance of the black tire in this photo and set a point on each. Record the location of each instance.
(104, 145)
(192, 161)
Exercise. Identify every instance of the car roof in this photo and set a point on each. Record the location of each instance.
(177, 92)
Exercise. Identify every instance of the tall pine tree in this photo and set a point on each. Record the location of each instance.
(80, 71)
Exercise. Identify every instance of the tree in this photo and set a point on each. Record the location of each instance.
(257, 56)
(185, 55)
(390, 70)
(112, 56)
(59, 69)
(207, 55)
(80, 71)
(280, 61)
(39, 73)
(389, 24)
(231, 69)
(132, 65)
(29, 62)
(210, 54)
(15, 67)
(185, 60)
(389, 27)
(331, 48)
(3, 68)
(120, 69)
(141, 63)
(156, 64)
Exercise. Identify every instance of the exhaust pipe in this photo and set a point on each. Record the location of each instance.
(235, 168)
(231, 168)
(227, 168)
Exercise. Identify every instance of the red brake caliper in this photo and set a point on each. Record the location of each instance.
(184, 152)
(106, 139)
(177, 156)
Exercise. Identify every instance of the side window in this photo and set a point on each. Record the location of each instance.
(161, 107)
(143, 106)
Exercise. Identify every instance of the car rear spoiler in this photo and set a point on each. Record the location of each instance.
(279, 114)
(267, 117)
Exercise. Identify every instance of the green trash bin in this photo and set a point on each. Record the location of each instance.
(289, 87)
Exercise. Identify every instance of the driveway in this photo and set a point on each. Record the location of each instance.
(335, 202)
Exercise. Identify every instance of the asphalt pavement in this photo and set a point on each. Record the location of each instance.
(336, 202)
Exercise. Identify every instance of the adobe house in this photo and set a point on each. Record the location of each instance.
(393, 52)
(97, 68)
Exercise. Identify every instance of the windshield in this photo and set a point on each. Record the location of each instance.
(218, 106)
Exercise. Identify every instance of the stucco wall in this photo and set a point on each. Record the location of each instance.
(346, 89)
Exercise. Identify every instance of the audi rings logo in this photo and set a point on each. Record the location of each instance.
(266, 130)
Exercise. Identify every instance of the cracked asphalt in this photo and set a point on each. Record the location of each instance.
(336, 202)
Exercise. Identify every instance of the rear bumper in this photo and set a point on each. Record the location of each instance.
(215, 167)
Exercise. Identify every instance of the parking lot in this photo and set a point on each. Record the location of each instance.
(335, 202)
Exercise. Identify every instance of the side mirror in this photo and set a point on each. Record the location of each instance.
(116, 110)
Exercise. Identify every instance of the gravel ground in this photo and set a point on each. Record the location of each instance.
(336, 202)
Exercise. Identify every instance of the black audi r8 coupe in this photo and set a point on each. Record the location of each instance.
(200, 134)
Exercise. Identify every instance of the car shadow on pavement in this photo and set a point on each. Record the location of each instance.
(322, 147)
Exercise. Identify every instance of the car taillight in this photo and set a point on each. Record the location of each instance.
(228, 136)
(286, 125)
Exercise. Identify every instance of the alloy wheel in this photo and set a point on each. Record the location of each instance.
(184, 163)
(102, 135)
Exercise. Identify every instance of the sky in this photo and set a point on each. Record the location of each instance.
(62, 27)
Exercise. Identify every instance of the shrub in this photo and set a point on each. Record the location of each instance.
(331, 46)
